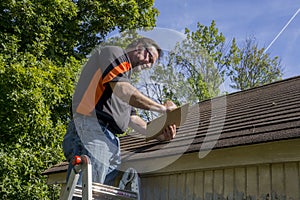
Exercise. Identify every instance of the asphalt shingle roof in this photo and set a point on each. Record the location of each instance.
(263, 114)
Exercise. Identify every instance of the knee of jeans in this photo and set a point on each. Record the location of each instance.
(66, 150)
(68, 155)
(70, 146)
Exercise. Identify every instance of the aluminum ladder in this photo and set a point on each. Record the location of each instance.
(129, 187)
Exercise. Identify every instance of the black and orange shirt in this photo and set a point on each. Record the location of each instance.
(94, 97)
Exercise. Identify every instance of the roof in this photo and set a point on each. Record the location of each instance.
(60, 167)
(258, 115)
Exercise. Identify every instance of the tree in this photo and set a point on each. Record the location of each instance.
(197, 62)
(35, 100)
(59, 29)
(193, 71)
(43, 46)
(201, 60)
(251, 67)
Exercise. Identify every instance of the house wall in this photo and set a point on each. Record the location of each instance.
(262, 171)
(266, 171)
(264, 181)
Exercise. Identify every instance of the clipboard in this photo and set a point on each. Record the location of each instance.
(176, 116)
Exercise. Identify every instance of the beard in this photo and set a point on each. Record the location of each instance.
(139, 68)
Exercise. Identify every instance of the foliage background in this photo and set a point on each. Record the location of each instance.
(43, 44)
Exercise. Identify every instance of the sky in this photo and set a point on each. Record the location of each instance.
(274, 23)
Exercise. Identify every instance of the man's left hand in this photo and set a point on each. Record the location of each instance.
(168, 134)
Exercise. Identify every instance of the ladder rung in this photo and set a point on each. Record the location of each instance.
(101, 191)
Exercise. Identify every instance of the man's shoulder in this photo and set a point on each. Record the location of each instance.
(108, 50)
(115, 49)
(112, 52)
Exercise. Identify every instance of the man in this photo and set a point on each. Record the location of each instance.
(103, 106)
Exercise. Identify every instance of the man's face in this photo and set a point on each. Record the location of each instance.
(144, 57)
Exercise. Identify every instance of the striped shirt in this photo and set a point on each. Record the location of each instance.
(93, 95)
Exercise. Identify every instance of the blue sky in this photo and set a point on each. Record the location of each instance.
(263, 19)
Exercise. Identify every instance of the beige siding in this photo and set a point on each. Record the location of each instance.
(269, 171)
(291, 181)
(277, 180)
(198, 187)
(172, 184)
(252, 183)
(265, 181)
(228, 180)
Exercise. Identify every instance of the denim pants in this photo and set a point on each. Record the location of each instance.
(96, 141)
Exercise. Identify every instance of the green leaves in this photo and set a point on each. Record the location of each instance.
(43, 44)
(200, 59)
(251, 67)
(35, 101)
(57, 29)
(20, 176)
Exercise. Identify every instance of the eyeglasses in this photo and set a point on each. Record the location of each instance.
(151, 60)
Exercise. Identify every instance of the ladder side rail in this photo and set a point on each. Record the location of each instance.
(71, 184)
(87, 192)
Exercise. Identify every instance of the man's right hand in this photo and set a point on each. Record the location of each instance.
(170, 105)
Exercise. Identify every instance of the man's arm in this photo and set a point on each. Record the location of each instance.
(138, 124)
(128, 93)
(135, 98)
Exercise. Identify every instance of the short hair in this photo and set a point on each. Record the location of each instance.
(147, 42)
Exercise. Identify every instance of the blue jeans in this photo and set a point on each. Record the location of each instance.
(96, 141)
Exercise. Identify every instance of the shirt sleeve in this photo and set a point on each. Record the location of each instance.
(118, 66)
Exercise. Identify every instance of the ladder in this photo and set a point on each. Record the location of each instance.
(129, 187)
